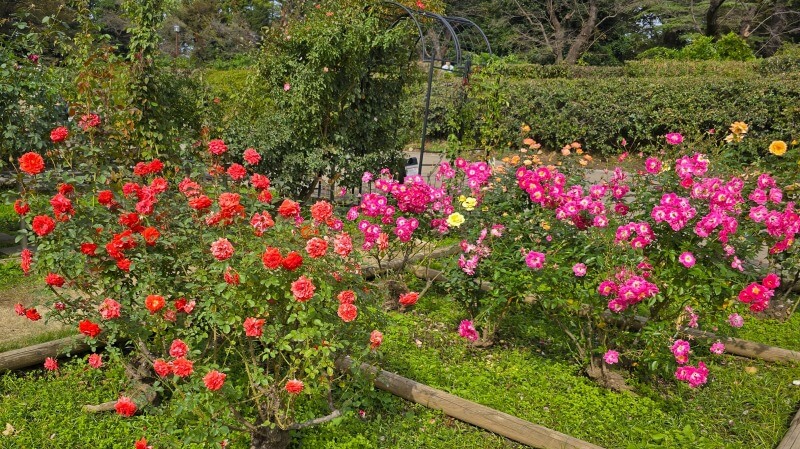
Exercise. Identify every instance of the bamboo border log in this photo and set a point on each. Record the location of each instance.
(470, 412)
(36, 354)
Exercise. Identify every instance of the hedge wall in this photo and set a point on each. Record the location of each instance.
(601, 112)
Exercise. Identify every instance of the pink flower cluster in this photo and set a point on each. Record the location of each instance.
(477, 173)
(694, 376)
(686, 167)
(675, 210)
(629, 289)
(784, 225)
(478, 250)
(535, 260)
(467, 330)
(644, 234)
(547, 188)
(758, 294)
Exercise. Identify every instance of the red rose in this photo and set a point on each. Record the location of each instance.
(25, 261)
(214, 380)
(321, 211)
(31, 163)
(771, 281)
(88, 121)
(272, 258)
(237, 172)
(19, 309)
(251, 156)
(59, 134)
(182, 367)
(409, 299)
(200, 202)
(316, 247)
(95, 361)
(66, 189)
(88, 248)
(142, 444)
(124, 264)
(178, 348)
(50, 364)
(109, 309)
(21, 208)
(32, 314)
(346, 297)
(347, 312)
(105, 197)
(294, 386)
(61, 205)
(253, 327)
(292, 261)
(150, 235)
(265, 196)
(222, 249)
(154, 303)
(289, 209)
(303, 289)
(43, 225)
(88, 328)
(162, 368)
(231, 276)
(125, 406)
(54, 280)
(260, 182)
(217, 147)
(375, 339)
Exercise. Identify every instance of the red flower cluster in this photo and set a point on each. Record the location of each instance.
(88, 328)
(89, 249)
(106, 198)
(375, 339)
(154, 303)
(294, 386)
(178, 348)
(758, 295)
(231, 276)
(26, 256)
(21, 207)
(253, 327)
(289, 209)
(237, 172)
(303, 289)
(150, 236)
(261, 222)
(54, 280)
(59, 134)
(88, 121)
(222, 249)
(43, 225)
(62, 207)
(251, 156)
(146, 168)
(347, 312)
(217, 147)
(109, 309)
(409, 299)
(125, 406)
(316, 247)
(30, 314)
(321, 211)
(346, 297)
(31, 163)
(214, 380)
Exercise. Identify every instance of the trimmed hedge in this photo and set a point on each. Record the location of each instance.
(601, 112)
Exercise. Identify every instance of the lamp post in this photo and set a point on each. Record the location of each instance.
(177, 29)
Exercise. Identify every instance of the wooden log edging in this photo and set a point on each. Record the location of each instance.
(470, 412)
(36, 354)
(791, 440)
(747, 348)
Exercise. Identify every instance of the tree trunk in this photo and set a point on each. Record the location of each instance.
(712, 27)
(581, 42)
(266, 438)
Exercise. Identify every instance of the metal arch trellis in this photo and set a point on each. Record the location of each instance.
(442, 40)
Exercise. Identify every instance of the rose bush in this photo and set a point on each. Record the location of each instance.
(235, 305)
(673, 241)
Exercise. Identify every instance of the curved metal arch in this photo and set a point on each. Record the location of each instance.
(414, 14)
(471, 24)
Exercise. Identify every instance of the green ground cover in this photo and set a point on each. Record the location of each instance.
(746, 404)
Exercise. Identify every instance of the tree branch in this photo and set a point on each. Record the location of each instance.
(313, 422)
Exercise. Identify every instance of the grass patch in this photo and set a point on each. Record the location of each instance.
(9, 220)
(746, 404)
(43, 337)
(784, 334)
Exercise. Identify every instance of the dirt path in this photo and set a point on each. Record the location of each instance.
(16, 329)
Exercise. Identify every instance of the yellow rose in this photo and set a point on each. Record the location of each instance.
(462, 198)
(455, 220)
(469, 203)
(739, 128)
(545, 225)
(778, 148)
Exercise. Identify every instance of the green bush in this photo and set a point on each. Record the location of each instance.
(730, 47)
(601, 112)
(787, 59)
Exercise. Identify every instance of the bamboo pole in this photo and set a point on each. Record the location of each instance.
(470, 412)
